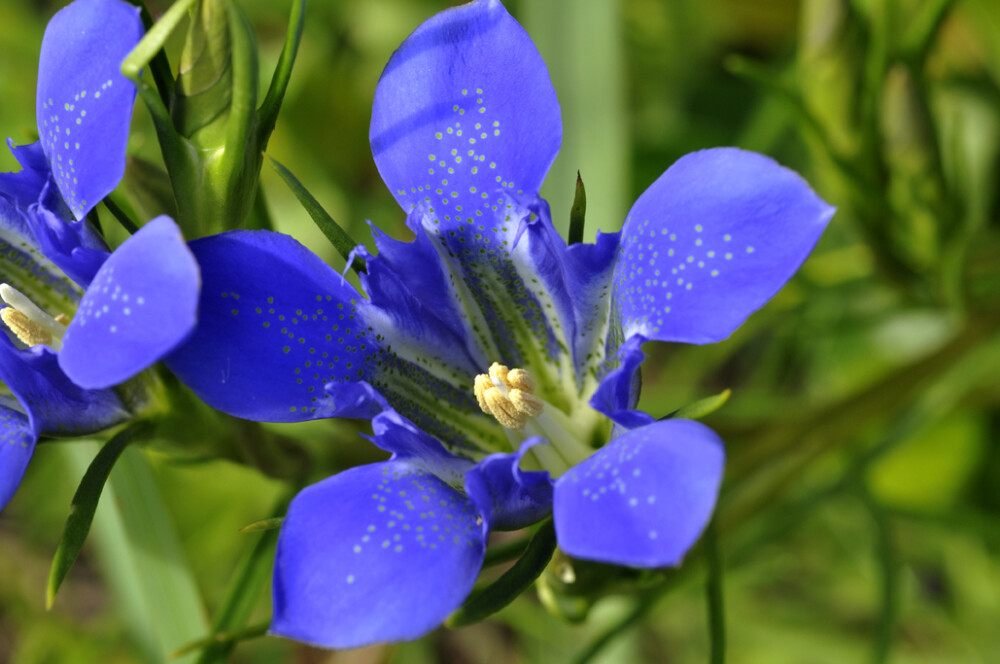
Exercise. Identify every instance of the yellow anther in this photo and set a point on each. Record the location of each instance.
(508, 395)
(526, 402)
(26, 330)
(505, 411)
(522, 380)
(483, 383)
(498, 372)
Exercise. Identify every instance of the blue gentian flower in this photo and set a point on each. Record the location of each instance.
(129, 308)
(498, 364)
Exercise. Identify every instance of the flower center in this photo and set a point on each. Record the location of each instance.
(29, 323)
(509, 396)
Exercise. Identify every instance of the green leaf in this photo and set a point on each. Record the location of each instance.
(337, 236)
(267, 114)
(514, 581)
(264, 524)
(702, 407)
(578, 213)
(244, 590)
(84, 504)
(140, 557)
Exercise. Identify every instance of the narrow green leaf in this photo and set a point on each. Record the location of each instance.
(715, 596)
(84, 504)
(140, 558)
(337, 236)
(514, 581)
(505, 552)
(120, 216)
(578, 213)
(244, 590)
(264, 524)
(223, 639)
(267, 114)
(702, 407)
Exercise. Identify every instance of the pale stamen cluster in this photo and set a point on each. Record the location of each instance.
(28, 322)
(508, 395)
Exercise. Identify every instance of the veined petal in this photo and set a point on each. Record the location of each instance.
(715, 237)
(644, 499)
(377, 553)
(54, 404)
(508, 497)
(465, 106)
(83, 104)
(26, 267)
(17, 443)
(394, 433)
(140, 306)
(464, 119)
(618, 392)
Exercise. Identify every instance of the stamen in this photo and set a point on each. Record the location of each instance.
(508, 395)
(30, 324)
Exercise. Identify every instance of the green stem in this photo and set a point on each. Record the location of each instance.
(514, 581)
(159, 66)
(715, 596)
(119, 214)
(889, 571)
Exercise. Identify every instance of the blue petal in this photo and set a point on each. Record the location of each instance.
(377, 553)
(465, 106)
(508, 497)
(644, 499)
(275, 325)
(282, 337)
(54, 404)
(83, 104)
(71, 245)
(618, 392)
(141, 304)
(17, 443)
(394, 433)
(710, 241)
(24, 188)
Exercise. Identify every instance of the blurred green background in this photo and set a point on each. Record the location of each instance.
(860, 521)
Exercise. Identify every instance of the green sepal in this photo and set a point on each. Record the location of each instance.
(84, 504)
(487, 601)
(577, 213)
(701, 407)
(212, 137)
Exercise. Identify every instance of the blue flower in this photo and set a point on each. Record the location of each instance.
(130, 307)
(498, 364)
